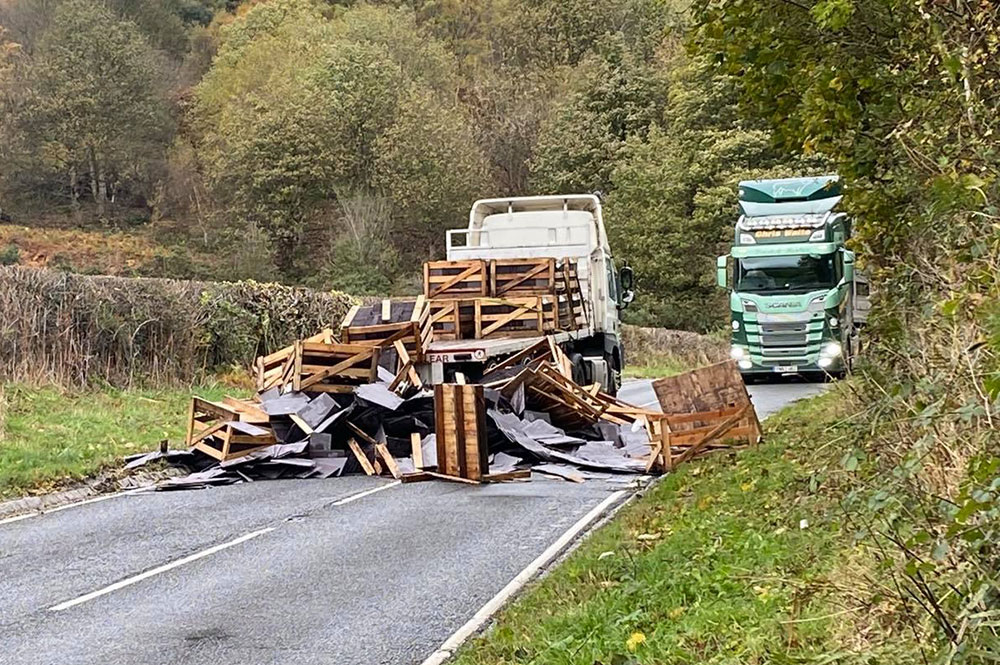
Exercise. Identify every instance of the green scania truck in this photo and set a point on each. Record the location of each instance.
(791, 279)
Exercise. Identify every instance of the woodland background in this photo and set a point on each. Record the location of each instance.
(332, 144)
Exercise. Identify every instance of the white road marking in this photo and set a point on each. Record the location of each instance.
(361, 495)
(156, 571)
(188, 559)
(104, 497)
(447, 649)
(39, 513)
(18, 518)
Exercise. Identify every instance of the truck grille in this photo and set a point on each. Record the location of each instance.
(774, 336)
(783, 342)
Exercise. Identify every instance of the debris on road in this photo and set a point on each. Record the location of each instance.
(325, 406)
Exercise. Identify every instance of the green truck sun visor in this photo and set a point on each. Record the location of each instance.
(746, 251)
(789, 196)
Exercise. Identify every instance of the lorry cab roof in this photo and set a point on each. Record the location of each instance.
(790, 196)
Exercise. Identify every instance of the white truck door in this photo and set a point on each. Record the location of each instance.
(611, 302)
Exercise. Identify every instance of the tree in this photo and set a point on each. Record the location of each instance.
(430, 165)
(361, 101)
(674, 206)
(613, 97)
(93, 104)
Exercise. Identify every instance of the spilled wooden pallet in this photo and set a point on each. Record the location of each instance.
(460, 426)
(703, 410)
(225, 431)
(384, 323)
(276, 369)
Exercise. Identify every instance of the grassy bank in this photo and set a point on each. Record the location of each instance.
(734, 559)
(50, 437)
(657, 367)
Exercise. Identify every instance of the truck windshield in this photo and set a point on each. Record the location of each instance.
(786, 273)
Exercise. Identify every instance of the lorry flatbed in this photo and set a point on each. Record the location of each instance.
(479, 350)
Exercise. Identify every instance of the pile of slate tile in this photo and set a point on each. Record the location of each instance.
(369, 413)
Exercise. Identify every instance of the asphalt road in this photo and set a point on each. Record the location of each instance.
(284, 572)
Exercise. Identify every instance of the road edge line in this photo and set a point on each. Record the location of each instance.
(487, 611)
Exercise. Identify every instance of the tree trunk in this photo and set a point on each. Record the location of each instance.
(97, 187)
(74, 197)
(102, 192)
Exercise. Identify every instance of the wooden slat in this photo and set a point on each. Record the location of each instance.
(416, 451)
(359, 455)
(382, 451)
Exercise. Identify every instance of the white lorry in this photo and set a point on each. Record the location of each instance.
(569, 227)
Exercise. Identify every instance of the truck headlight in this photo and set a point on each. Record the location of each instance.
(831, 350)
(825, 362)
(738, 352)
(818, 235)
(834, 322)
(747, 239)
(736, 325)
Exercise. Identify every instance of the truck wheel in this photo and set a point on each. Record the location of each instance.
(614, 374)
(581, 373)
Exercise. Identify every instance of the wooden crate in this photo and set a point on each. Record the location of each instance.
(275, 369)
(456, 279)
(221, 432)
(460, 427)
(530, 316)
(681, 437)
(703, 410)
(453, 319)
(333, 368)
(522, 277)
(382, 324)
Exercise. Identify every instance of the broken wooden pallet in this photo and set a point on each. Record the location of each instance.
(275, 369)
(332, 368)
(219, 431)
(460, 427)
(386, 322)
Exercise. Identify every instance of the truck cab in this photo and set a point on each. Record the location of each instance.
(565, 227)
(791, 279)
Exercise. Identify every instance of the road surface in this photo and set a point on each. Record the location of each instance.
(351, 571)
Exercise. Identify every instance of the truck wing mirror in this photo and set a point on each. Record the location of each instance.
(626, 278)
(722, 271)
(627, 298)
(848, 265)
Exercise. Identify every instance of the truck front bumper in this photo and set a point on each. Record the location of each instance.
(759, 367)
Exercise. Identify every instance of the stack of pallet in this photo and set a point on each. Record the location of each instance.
(477, 299)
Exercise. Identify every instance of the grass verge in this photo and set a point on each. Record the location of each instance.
(732, 559)
(657, 367)
(50, 437)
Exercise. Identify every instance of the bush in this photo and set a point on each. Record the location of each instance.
(10, 255)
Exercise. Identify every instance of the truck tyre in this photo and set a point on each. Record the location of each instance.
(614, 374)
(581, 370)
